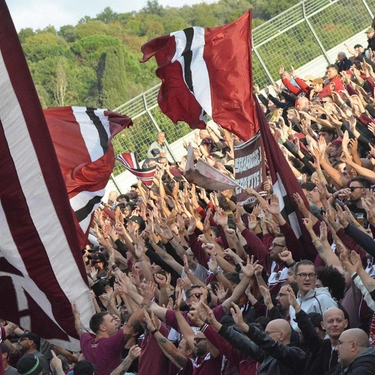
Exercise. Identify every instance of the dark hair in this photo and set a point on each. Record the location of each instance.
(333, 279)
(362, 180)
(309, 186)
(96, 320)
(303, 262)
(358, 46)
(123, 196)
(333, 66)
(328, 130)
(233, 277)
(195, 286)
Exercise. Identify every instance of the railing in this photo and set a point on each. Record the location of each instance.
(293, 38)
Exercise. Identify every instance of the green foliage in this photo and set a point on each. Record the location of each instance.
(112, 82)
(96, 62)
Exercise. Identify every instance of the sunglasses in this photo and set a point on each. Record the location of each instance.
(197, 295)
(352, 188)
(199, 339)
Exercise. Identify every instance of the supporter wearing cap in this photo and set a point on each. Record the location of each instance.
(317, 88)
(29, 364)
(8, 370)
(136, 223)
(29, 344)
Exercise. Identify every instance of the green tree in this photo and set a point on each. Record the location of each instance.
(153, 7)
(25, 33)
(107, 15)
(112, 83)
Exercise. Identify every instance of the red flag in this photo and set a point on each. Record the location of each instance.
(41, 267)
(129, 161)
(285, 185)
(207, 71)
(82, 140)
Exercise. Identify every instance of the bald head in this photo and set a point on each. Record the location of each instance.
(334, 323)
(279, 330)
(333, 311)
(351, 343)
(302, 104)
(357, 335)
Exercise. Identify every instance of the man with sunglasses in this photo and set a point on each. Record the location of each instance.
(309, 298)
(358, 186)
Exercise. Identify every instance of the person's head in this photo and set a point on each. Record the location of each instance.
(136, 224)
(197, 293)
(340, 167)
(84, 368)
(351, 343)
(103, 324)
(5, 353)
(208, 143)
(128, 210)
(98, 261)
(112, 196)
(327, 133)
(200, 345)
(317, 85)
(341, 56)
(29, 364)
(29, 343)
(332, 71)
(327, 99)
(358, 48)
(282, 302)
(333, 279)
(122, 198)
(277, 246)
(279, 330)
(306, 276)
(316, 319)
(334, 322)
(160, 138)
(311, 191)
(358, 186)
(370, 32)
(184, 349)
(192, 262)
(302, 104)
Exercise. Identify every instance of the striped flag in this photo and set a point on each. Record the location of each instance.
(41, 267)
(82, 140)
(129, 161)
(207, 71)
(285, 185)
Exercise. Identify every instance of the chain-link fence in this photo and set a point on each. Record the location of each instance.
(293, 38)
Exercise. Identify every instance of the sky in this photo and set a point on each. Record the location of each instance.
(38, 14)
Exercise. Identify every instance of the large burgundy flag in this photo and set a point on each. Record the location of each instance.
(41, 268)
(82, 140)
(207, 71)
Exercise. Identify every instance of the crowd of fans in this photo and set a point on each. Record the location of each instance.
(186, 281)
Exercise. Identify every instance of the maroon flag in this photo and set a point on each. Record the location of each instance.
(41, 267)
(207, 71)
(284, 185)
(129, 161)
(82, 140)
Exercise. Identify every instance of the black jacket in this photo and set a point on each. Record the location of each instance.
(275, 358)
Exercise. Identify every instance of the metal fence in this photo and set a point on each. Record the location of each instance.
(293, 38)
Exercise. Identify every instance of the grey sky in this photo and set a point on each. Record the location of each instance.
(41, 13)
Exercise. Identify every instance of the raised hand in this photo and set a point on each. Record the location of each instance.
(274, 206)
(237, 317)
